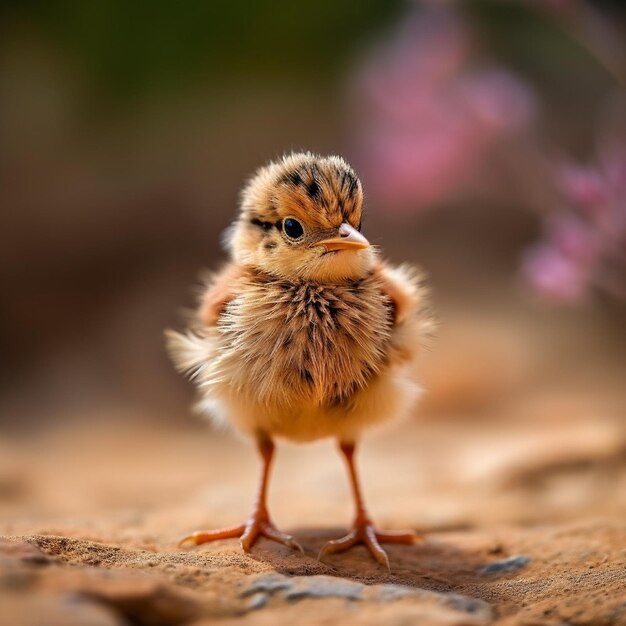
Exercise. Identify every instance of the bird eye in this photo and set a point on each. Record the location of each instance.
(293, 229)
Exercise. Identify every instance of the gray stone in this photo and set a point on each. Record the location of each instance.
(263, 588)
(325, 587)
(474, 606)
(267, 584)
(390, 592)
(258, 600)
(504, 566)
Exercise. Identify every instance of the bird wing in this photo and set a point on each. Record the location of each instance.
(403, 286)
(220, 291)
(412, 321)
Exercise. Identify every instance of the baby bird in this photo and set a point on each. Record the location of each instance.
(306, 333)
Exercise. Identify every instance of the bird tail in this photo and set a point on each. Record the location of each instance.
(189, 352)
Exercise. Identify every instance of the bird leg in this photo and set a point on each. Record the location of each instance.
(363, 531)
(259, 523)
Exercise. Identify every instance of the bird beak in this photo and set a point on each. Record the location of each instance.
(349, 239)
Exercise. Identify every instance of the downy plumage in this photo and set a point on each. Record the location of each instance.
(306, 333)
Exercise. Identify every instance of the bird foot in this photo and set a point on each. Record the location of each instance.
(259, 525)
(364, 532)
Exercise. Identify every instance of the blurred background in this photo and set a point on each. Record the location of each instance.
(491, 140)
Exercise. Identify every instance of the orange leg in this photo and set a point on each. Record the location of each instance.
(363, 530)
(259, 523)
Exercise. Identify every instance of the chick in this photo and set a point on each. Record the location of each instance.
(306, 333)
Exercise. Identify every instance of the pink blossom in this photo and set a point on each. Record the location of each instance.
(499, 101)
(553, 274)
(429, 118)
(583, 187)
(584, 246)
(573, 237)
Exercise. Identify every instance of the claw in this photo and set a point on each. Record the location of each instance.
(186, 540)
(257, 526)
(371, 542)
(365, 533)
(204, 536)
(339, 545)
(398, 536)
(268, 530)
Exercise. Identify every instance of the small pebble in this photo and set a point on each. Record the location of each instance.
(267, 584)
(504, 566)
(258, 601)
(325, 587)
(389, 591)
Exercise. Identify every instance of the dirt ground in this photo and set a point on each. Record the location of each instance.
(519, 528)
(517, 485)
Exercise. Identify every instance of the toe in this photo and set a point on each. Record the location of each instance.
(204, 536)
(365, 533)
(187, 542)
(369, 539)
(397, 536)
(271, 532)
(248, 537)
(339, 545)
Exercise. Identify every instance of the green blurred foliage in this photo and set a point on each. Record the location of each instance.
(129, 48)
(535, 43)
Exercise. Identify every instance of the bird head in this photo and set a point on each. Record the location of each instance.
(301, 218)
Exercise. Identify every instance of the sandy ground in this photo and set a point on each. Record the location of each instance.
(523, 522)
(513, 469)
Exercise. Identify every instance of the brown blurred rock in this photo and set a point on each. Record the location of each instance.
(44, 609)
(24, 551)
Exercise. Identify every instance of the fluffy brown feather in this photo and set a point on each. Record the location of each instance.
(294, 340)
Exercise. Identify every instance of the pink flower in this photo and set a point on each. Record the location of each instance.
(499, 101)
(553, 274)
(584, 246)
(573, 237)
(428, 120)
(583, 187)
